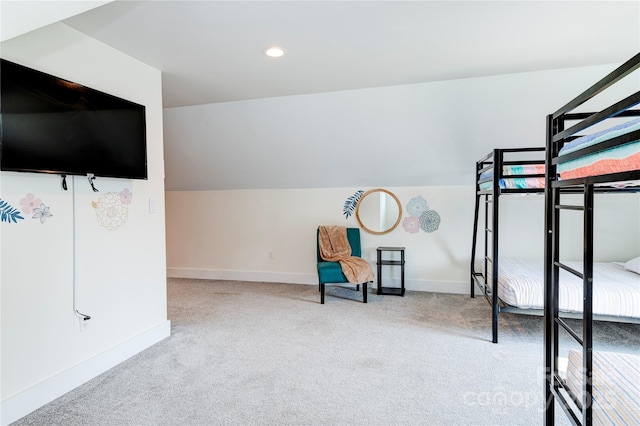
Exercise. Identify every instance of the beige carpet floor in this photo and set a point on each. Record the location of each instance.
(245, 353)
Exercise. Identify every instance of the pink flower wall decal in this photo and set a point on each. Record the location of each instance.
(411, 224)
(126, 196)
(29, 202)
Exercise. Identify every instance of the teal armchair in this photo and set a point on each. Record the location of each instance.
(331, 272)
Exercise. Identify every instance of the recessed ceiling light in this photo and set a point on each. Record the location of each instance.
(274, 52)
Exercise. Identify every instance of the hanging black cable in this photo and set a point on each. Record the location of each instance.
(91, 178)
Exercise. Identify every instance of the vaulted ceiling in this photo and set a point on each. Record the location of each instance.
(211, 51)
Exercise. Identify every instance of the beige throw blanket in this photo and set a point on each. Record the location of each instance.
(335, 247)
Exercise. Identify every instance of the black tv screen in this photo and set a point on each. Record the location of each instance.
(51, 125)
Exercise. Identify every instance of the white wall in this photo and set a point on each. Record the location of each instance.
(120, 274)
(229, 234)
(413, 140)
(421, 134)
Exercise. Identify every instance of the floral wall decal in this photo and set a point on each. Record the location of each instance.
(111, 209)
(41, 213)
(411, 224)
(430, 221)
(416, 206)
(126, 196)
(32, 204)
(29, 202)
(351, 203)
(421, 216)
(9, 213)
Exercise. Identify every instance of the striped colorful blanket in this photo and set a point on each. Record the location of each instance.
(516, 182)
(614, 160)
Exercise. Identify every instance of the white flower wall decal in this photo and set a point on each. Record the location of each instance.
(43, 213)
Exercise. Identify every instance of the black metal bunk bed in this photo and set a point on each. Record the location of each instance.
(492, 181)
(577, 401)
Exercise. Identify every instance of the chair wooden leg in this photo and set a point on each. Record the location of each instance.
(322, 294)
(364, 292)
(357, 287)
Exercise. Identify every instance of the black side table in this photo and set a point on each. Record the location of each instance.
(395, 291)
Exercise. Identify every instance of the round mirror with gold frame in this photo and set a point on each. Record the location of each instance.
(378, 211)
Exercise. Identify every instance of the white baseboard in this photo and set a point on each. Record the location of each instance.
(455, 287)
(29, 400)
(254, 276)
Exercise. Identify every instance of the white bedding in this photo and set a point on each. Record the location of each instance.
(616, 386)
(616, 291)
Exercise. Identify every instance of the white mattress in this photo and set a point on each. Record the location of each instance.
(616, 386)
(616, 291)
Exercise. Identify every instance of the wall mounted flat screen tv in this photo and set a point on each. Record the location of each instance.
(51, 125)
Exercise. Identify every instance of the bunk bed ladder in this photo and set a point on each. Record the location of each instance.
(486, 259)
(475, 274)
(490, 290)
(552, 272)
(550, 310)
(479, 278)
(586, 340)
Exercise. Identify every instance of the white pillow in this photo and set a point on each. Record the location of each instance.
(633, 265)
